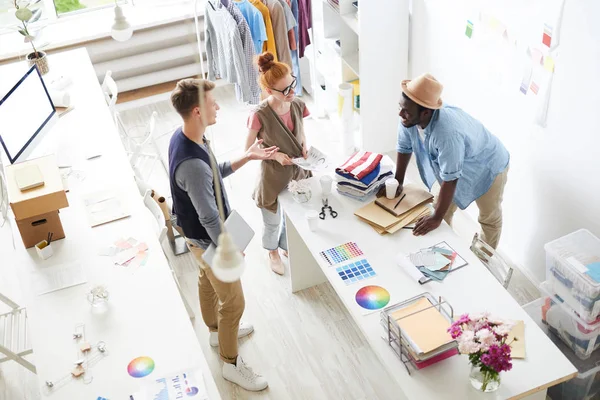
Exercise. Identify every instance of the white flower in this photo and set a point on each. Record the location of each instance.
(468, 347)
(504, 329)
(479, 316)
(486, 339)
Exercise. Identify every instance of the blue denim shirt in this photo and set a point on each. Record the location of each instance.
(456, 146)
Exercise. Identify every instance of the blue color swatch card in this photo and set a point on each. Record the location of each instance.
(355, 272)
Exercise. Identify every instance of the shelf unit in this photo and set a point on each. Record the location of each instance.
(372, 48)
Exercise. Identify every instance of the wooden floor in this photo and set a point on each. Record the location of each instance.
(305, 344)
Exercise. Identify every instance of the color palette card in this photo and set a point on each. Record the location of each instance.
(341, 253)
(355, 272)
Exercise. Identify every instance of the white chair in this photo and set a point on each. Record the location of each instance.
(492, 261)
(111, 92)
(161, 232)
(137, 140)
(14, 342)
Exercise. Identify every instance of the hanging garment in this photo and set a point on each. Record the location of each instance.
(224, 50)
(295, 58)
(280, 31)
(256, 23)
(269, 45)
(304, 20)
(290, 23)
(249, 53)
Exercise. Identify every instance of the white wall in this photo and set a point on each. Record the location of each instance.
(554, 181)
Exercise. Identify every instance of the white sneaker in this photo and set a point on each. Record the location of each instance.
(242, 375)
(245, 329)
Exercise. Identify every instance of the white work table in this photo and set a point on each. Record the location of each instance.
(145, 315)
(470, 289)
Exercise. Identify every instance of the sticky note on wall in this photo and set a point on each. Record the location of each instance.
(547, 36)
(549, 64)
(469, 30)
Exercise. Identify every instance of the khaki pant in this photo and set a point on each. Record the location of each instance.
(490, 211)
(222, 305)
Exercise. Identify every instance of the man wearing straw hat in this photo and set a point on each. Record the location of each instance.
(454, 149)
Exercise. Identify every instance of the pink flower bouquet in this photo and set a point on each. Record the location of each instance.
(484, 339)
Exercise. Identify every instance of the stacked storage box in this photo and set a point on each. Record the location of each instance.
(573, 288)
(586, 385)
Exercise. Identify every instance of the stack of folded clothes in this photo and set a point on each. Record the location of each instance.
(362, 175)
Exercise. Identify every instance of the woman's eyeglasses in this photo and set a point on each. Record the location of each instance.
(288, 89)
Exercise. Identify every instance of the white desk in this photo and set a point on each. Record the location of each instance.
(470, 289)
(146, 316)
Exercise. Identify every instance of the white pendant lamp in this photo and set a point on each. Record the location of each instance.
(228, 263)
(121, 30)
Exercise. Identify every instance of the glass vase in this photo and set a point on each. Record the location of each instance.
(303, 196)
(98, 296)
(484, 381)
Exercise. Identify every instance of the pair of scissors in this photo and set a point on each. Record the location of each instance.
(326, 206)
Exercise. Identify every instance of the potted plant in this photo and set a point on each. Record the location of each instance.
(28, 12)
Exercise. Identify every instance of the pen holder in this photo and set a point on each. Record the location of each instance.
(44, 249)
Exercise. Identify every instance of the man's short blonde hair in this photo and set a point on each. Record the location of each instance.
(186, 95)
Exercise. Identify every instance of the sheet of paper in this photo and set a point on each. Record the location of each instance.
(176, 386)
(316, 161)
(517, 346)
(426, 327)
(55, 278)
(404, 262)
(105, 206)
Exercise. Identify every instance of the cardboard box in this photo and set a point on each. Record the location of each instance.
(39, 200)
(35, 229)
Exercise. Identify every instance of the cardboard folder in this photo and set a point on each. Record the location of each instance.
(413, 197)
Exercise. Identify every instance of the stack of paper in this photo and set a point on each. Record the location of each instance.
(127, 252)
(424, 332)
(385, 218)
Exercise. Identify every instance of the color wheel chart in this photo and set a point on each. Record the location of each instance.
(341, 253)
(355, 272)
(372, 297)
(140, 367)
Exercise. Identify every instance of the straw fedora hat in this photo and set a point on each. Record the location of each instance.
(424, 90)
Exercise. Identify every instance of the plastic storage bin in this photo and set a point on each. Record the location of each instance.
(570, 262)
(581, 336)
(586, 385)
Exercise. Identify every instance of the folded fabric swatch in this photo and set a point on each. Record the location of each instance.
(361, 164)
(367, 180)
(359, 198)
(358, 185)
(358, 192)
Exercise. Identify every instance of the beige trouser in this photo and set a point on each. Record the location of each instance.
(490, 210)
(222, 305)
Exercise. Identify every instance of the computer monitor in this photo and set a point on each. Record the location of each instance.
(26, 115)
